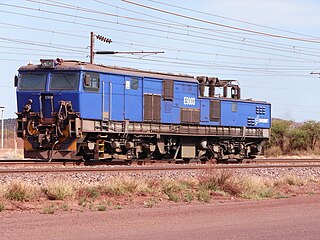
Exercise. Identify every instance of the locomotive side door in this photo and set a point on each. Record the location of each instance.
(133, 99)
(114, 97)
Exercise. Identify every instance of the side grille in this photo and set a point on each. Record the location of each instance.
(167, 89)
(215, 110)
(260, 110)
(190, 115)
(152, 108)
(251, 121)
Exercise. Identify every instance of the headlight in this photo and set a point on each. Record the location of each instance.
(47, 63)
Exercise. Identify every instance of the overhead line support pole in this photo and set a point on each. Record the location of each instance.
(91, 47)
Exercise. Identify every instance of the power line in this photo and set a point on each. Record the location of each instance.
(243, 42)
(206, 29)
(145, 34)
(247, 40)
(221, 25)
(42, 29)
(179, 39)
(42, 44)
(232, 19)
(144, 44)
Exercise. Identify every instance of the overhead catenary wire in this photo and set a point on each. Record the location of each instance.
(293, 51)
(153, 35)
(232, 19)
(176, 25)
(153, 45)
(222, 25)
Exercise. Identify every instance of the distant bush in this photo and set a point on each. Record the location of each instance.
(289, 138)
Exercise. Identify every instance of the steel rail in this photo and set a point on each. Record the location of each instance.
(282, 160)
(92, 162)
(42, 163)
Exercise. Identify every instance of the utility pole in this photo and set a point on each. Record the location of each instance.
(91, 47)
(92, 38)
(2, 123)
(108, 40)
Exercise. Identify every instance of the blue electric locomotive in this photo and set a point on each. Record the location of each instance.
(76, 110)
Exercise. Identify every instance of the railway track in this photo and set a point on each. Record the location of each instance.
(57, 167)
(31, 162)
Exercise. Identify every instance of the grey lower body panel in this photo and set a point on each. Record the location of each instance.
(126, 127)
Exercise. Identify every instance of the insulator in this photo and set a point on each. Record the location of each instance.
(103, 39)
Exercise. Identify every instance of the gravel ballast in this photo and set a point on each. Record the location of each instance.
(95, 177)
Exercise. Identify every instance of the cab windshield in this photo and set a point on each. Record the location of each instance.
(64, 81)
(32, 81)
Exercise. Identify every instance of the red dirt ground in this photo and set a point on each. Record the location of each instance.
(292, 218)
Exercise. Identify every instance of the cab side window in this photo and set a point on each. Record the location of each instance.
(91, 82)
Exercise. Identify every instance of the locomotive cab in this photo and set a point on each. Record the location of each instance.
(48, 105)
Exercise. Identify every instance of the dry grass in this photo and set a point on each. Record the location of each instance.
(177, 190)
(59, 190)
(290, 180)
(3, 189)
(221, 181)
(20, 191)
(48, 209)
(124, 187)
(118, 192)
(257, 188)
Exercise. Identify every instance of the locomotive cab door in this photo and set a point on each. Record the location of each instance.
(133, 99)
(46, 104)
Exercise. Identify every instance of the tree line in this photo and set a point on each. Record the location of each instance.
(290, 138)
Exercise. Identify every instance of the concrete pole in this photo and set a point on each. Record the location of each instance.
(92, 48)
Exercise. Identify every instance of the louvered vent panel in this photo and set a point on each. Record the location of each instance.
(147, 107)
(152, 108)
(190, 115)
(167, 89)
(215, 110)
(156, 108)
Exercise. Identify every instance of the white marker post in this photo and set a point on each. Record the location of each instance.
(2, 123)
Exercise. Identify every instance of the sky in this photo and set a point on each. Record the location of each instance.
(269, 46)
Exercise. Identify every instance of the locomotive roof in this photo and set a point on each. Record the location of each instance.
(73, 65)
